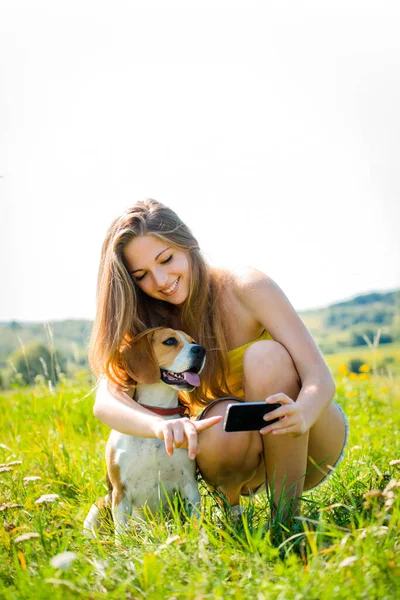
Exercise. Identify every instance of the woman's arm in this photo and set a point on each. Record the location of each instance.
(269, 305)
(116, 409)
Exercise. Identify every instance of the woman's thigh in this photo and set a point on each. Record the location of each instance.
(270, 369)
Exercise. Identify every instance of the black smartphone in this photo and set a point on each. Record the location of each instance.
(248, 416)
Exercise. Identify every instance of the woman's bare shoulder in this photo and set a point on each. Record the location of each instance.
(241, 285)
(240, 280)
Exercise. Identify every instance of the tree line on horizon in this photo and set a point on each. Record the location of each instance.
(31, 350)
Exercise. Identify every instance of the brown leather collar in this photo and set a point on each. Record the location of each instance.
(168, 412)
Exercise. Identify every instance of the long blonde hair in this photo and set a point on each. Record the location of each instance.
(124, 310)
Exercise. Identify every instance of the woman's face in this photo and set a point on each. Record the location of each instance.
(159, 269)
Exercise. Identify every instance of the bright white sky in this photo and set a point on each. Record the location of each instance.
(272, 128)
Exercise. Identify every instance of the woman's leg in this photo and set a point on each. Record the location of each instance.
(239, 462)
(227, 461)
(269, 369)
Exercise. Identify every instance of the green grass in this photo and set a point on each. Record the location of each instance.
(345, 546)
(376, 358)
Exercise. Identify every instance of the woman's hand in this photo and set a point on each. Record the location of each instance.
(291, 417)
(182, 433)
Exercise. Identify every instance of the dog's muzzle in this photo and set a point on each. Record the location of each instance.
(189, 378)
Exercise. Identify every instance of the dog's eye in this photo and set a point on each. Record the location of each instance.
(170, 342)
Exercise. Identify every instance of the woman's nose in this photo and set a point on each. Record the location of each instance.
(161, 279)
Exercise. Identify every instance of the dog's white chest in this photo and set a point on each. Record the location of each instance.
(146, 471)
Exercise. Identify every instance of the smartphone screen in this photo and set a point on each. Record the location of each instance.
(248, 416)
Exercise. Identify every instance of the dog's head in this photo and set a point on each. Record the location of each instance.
(165, 354)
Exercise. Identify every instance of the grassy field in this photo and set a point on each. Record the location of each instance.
(383, 359)
(346, 545)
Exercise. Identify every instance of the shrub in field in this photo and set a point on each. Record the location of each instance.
(357, 365)
(32, 360)
(357, 338)
(354, 365)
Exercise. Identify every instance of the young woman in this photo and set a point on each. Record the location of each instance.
(258, 349)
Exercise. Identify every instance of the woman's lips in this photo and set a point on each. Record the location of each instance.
(172, 289)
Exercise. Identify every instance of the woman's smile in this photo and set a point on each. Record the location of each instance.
(171, 290)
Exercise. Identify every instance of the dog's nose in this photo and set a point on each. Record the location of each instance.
(198, 351)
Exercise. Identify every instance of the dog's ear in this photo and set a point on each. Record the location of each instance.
(140, 361)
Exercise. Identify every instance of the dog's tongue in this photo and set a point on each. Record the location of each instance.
(192, 378)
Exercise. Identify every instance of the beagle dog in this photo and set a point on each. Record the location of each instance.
(139, 471)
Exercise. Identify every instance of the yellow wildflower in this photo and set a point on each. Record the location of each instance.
(352, 394)
(343, 369)
(364, 368)
(363, 376)
(353, 376)
(384, 390)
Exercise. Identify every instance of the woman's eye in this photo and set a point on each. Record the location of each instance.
(170, 342)
(164, 262)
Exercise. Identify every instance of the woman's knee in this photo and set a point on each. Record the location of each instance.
(268, 365)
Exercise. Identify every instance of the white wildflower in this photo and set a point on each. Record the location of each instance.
(347, 562)
(63, 560)
(47, 498)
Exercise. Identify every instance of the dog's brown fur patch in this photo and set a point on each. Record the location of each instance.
(166, 354)
(114, 482)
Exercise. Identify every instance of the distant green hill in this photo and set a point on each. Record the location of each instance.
(344, 324)
(337, 326)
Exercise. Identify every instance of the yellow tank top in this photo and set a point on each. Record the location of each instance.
(235, 357)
